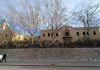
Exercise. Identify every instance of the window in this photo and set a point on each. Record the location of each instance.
(77, 33)
(6, 35)
(94, 32)
(48, 34)
(83, 33)
(56, 34)
(66, 33)
(87, 33)
(44, 35)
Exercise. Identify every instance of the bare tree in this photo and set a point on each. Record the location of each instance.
(87, 14)
(55, 15)
(51, 13)
(12, 14)
(28, 19)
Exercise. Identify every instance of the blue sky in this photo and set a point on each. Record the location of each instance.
(69, 4)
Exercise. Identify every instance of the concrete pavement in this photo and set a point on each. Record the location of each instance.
(52, 63)
(46, 68)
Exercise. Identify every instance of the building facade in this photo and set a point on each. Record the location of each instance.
(69, 34)
(8, 35)
(65, 34)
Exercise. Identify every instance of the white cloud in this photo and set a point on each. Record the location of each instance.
(70, 4)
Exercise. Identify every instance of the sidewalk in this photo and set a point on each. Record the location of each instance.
(51, 63)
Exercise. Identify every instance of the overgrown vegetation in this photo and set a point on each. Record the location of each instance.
(78, 44)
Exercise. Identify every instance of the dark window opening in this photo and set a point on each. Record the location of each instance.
(56, 34)
(43, 35)
(94, 32)
(48, 34)
(66, 33)
(77, 33)
(87, 33)
(6, 35)
(83, 33)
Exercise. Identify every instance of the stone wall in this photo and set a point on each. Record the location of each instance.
(52, 54)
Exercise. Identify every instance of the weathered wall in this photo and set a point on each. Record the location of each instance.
(52, 54)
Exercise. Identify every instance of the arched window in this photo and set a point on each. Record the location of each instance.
(56, 34)
(87, 33)
(66, 33)
(77, 33)
(48, 34)
(6, 35)
(94, 32)
(43, 34)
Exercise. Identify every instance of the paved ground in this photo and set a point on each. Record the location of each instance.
(52, 63)
(46, 68)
